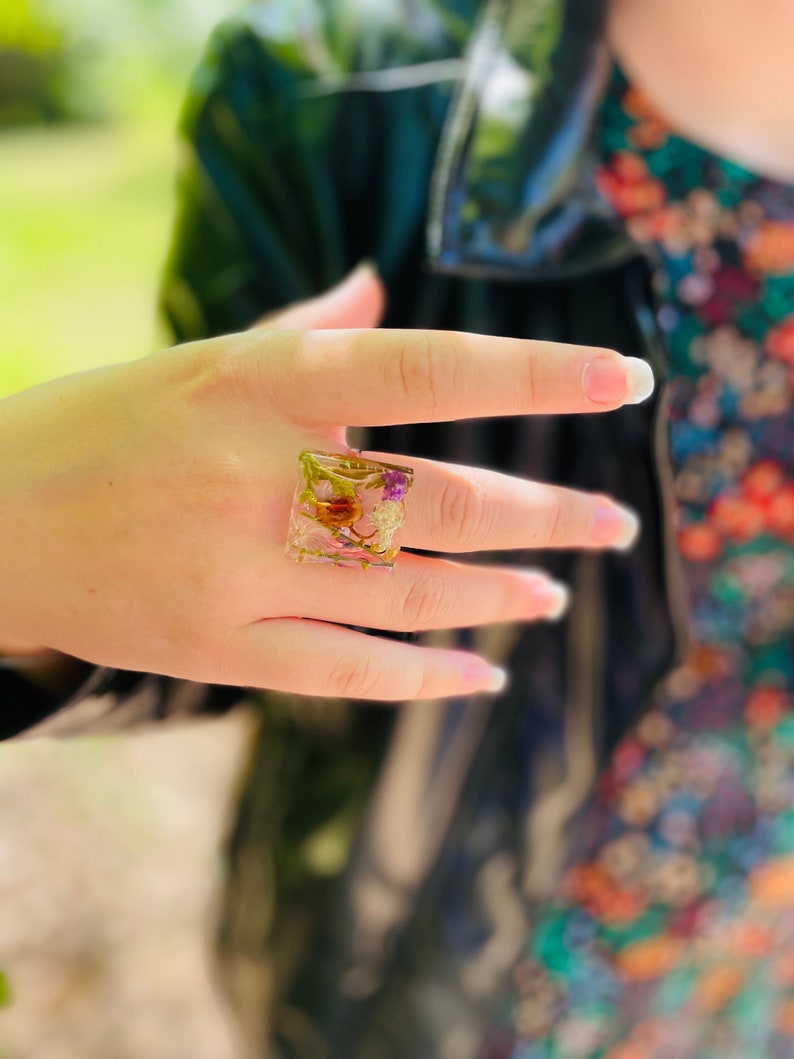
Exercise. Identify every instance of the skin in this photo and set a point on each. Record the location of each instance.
(719, 71)
(143, 517)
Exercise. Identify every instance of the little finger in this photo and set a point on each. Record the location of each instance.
(315, 658)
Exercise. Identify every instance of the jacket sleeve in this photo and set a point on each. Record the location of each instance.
(303, 153)
(102, 701)
(255, 211)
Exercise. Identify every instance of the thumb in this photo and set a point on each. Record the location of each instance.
(358, 301)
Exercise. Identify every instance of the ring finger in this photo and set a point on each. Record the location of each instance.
(466, 509)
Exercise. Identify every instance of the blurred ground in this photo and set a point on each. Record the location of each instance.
(109, 870)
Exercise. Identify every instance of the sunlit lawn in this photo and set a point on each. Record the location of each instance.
(85, 213)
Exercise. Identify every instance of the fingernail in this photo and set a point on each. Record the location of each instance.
(498, 679)
(615, 381)
(615, 526)
(552, 597)
(368, 266)
(639, 380)
(486, 678)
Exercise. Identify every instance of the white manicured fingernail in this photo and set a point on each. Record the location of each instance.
(639, 380)
(498, 681)
(615, 526)
(367, 267)
(614, 380)
(479, 677)
(553, 598)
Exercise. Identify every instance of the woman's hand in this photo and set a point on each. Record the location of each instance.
(144, 507)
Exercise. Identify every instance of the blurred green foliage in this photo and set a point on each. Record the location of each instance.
(32, 61)
(87, 162)
(68, 59)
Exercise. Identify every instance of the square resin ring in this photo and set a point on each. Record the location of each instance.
(346, 510)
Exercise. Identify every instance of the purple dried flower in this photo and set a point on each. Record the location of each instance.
(395, 483)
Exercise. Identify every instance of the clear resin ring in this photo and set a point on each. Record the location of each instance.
(346, 510)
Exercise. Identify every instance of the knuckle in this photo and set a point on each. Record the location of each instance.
(355, 677)
(216, 484)
(430, 682)
(413, 367)
(214, 369)
(425, 604)
(465, 516)
(419, 370)
(531, 383)
(238, 370)
(426, 686)
(549, 524)
(219, 649)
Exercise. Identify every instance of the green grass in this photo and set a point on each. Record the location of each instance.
(85, 215)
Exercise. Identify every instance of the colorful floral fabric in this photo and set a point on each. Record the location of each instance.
(673, 937)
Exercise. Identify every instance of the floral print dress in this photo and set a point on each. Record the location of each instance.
(673, 937)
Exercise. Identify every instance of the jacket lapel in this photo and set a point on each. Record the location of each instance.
(513, 189)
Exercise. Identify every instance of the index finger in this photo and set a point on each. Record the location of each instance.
(381, 377)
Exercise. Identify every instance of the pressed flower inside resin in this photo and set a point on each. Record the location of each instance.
(346, 510)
